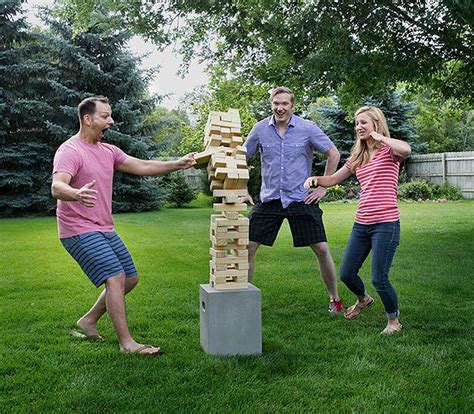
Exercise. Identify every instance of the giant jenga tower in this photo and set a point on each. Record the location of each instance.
(228, 176)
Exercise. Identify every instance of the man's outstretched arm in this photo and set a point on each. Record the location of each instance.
(137, 166)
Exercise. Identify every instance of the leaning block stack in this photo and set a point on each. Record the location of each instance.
(228, 176)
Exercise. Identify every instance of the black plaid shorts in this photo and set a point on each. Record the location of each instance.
(306, 223)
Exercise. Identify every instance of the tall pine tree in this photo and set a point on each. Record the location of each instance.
(338, 124)
(44, 77)
(98, 63)
(25, 152)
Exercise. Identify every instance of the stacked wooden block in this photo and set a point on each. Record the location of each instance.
(228, 176)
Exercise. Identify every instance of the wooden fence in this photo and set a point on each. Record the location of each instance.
(454, 168)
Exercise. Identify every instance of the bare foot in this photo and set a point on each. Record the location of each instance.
(392, 327)
(86, 329)
(148, 350)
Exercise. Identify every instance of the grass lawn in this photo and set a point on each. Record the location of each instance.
(311, 361)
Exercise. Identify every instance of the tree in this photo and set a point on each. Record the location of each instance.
(318, 47)
(338, 124)
(99, 63)
(46, 76)
(171, 127)
(443, 125)
(179, 191)
(26, 151)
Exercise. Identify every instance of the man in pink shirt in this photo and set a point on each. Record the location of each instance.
(82, 184)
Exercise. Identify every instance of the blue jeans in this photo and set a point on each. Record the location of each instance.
(382, 239)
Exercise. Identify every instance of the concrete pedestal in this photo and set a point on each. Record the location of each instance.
(230, 321)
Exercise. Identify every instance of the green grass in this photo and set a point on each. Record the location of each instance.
(311, 362)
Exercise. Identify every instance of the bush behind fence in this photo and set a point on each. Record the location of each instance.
(453, 168)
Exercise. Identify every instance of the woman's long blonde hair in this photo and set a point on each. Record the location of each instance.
(360, 151)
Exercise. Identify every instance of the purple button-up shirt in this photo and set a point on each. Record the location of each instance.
(286, 161)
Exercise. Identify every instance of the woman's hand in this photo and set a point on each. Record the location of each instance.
(311, 182)
(376, 136)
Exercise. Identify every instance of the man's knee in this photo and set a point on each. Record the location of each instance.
(130, 283)
(252, 248)
(116, 282)
(321, 250)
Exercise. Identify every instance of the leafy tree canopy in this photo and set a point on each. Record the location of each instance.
(316, 47)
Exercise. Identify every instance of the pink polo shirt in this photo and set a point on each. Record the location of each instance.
(85, 162)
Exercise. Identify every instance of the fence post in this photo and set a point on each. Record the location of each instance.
(443, 168)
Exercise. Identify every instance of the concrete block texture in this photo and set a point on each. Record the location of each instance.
(230, 321)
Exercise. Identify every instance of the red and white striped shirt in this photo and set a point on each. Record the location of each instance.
(378, 182)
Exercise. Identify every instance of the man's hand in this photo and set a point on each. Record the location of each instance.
(246, 199)
(187, 161)
(316, 195)
(86, 195)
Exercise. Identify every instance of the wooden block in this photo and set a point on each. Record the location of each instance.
(233, 285)
(231, 260)
(226, 141)
(227, 193)
(223, 173)
(239, 150)
(202, 158)
(220, 220)
(230, 199)
(230, 207)
(231, 246)
(226, 117)
(239, 185)
(213, 141)
(226, 280)
(235, 142)
(229, 273)
(241, 252)
(219, 161)
(230, 235)
(231, 215)
(216, 184)
(225, 124)
(217, 253)
(212, 130)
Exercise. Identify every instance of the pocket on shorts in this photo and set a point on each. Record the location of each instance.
(70, 242)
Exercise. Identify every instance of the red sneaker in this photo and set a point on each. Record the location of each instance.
(335, 306)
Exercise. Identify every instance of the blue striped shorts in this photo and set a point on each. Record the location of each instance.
(100, 255)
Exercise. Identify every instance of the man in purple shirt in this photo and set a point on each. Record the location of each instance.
(286, 143)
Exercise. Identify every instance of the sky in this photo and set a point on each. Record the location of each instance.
(166, 81)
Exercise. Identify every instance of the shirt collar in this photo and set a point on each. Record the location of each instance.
(292, 122)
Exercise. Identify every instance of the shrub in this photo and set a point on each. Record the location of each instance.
(335, 193)
(425, 190)
(415, 190)
(450, 192)
(179, 191)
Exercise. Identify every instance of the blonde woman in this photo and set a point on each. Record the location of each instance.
(375, 160)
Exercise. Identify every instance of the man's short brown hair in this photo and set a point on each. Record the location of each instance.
(282, 89)
(87, 106)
